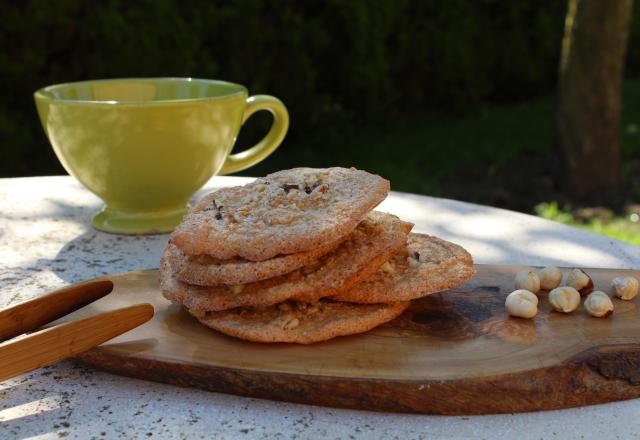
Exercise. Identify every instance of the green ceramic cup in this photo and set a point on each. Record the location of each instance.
(144, 146)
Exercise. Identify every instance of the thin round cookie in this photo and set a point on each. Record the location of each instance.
(204, 270)
(372, 243)
(301, 323)
(425, 265)
(287, 212)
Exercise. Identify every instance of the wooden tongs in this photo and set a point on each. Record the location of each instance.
(50, 345)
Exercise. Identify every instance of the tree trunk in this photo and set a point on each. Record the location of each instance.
(591, 72)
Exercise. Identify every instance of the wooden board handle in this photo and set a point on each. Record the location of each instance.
(34, 313)
(62, 341)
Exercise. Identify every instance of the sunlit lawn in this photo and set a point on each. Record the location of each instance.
(625, 227)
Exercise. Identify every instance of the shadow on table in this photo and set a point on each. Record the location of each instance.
(561, 250)
(502, 236)
(59, 210)
(95, 253)
(14, 419)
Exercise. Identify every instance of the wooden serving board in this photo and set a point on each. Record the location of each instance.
(454, 352)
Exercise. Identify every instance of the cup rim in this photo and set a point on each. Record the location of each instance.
(43, 93)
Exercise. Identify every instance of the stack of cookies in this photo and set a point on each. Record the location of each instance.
(299, 256)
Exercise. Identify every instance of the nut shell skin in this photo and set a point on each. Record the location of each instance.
(598, 304)
(579, 280)
(527, 280)
(550, 277)
(625, 288)
(522, 304)
(564, 299)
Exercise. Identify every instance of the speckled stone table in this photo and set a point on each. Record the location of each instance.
(46, 241)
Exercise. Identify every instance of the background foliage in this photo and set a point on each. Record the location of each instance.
(337, 64)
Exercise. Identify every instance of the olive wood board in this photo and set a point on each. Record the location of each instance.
(452, 352)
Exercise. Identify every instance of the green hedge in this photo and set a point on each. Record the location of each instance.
(335, 63)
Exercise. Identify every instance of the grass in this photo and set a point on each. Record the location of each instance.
(625, 227)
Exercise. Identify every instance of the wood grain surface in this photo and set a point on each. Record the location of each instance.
(454, 352)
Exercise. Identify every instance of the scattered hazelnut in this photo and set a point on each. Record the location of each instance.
(580, 281)
(522, 303)
(625, 288)
(550, 277)
(387, 267)
(598, 304)
(527, 280)
(293, 323)
(564, 299)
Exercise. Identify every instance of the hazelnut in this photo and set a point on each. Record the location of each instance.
(598, 304)
(527, 280)
(550, 277)
(522, 303)
(236, 288)
(387, 267)
(625, 288)
(580, 281)
(293, 323)
(564, 299)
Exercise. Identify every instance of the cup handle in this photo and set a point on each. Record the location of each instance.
(247, 158)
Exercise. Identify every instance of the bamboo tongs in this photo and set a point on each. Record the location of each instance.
(50, 345)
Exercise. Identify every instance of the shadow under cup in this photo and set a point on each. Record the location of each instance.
(144, 146)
